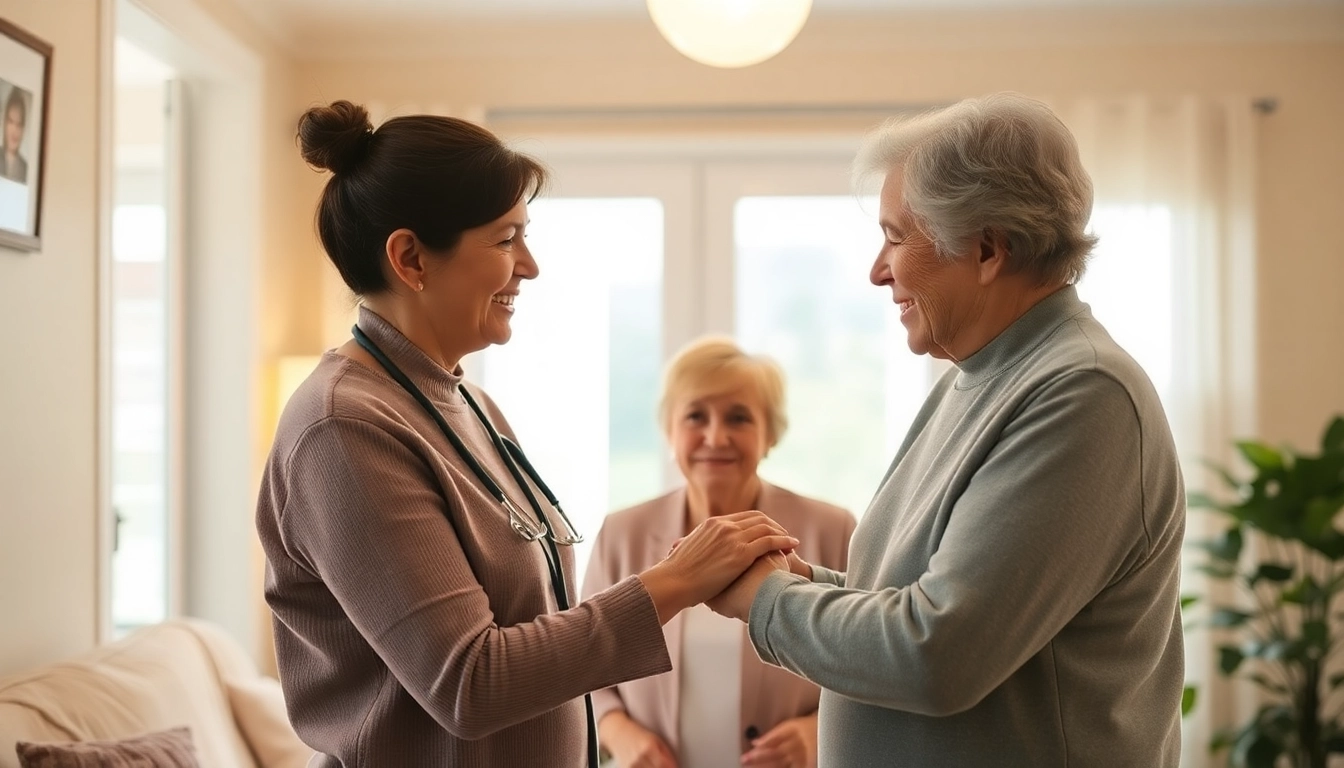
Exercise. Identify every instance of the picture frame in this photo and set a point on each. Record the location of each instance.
(25, 93)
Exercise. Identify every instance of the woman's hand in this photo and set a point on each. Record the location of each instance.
(716, 553)
(791, 744)
(633, 745)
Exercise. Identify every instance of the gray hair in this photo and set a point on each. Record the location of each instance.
(1002, 162)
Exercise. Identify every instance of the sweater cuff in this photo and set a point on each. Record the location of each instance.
(822, 575)
(763, 610)
(643, 646)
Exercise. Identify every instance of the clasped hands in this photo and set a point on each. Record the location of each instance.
(727, 557)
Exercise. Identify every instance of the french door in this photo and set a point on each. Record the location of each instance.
(639, 257)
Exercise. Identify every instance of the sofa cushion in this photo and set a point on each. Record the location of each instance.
(259, 709)
(164, 749)
(157, 678)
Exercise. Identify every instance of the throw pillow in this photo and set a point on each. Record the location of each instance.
(172, 748)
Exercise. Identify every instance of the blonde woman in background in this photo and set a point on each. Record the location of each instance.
(722, 411)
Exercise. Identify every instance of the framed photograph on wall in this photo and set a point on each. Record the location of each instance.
(25, 89)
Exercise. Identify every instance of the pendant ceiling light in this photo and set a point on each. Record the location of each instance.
(729, 33)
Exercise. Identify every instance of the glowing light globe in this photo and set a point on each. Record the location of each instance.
(729, 33)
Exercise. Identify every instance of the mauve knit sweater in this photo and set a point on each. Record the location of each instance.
(413, 627)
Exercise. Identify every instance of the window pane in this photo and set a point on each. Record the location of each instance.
(1128, 284)
(579, 379)
(139, 415)
(139, 355)
(803, 298)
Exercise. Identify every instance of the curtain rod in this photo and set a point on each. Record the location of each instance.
(1264, 105)
(494, 114)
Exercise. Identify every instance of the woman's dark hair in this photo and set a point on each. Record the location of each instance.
(436, 176)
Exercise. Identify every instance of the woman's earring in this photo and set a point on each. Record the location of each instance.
(420, 286)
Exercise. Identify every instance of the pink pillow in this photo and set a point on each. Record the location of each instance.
(163, 749)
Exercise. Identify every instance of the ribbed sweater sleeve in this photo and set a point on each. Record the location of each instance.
(364, 513)
(599, 578)
(824, 575)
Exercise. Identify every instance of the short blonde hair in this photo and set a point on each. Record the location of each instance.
(715, 364)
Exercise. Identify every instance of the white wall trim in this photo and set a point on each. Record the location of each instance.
(220, 338)
(104, 525)
(186, 36)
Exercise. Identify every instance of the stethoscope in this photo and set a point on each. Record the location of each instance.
(514, 460)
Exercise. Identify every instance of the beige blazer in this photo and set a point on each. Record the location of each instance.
(634, 539)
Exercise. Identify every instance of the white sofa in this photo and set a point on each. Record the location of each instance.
(182, 672)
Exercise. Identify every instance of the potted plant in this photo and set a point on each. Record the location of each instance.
(1281, 634)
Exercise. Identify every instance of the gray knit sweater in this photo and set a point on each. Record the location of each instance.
(413, 627)
(1012, 592)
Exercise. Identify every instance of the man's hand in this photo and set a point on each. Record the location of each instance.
(735, 601)
(799, 566)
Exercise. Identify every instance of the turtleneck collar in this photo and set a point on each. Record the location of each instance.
(1025, 334)
(438, 384)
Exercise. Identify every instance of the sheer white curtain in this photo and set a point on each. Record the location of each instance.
(1173, 279)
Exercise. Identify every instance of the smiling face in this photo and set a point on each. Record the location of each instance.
(471, 291)
(13, 127)
(719, 439)
(939, 300)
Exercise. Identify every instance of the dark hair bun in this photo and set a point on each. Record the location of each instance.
(335, 137)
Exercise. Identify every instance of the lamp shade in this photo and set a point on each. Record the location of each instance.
(729, 33)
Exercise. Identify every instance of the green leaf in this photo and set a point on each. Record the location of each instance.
(1256, 750)
(1197, 500)
(1264, 682)
(1226, 548)
(1272, 572)
(1188, 600)
(1232, 483)
(1264, 458)
(1227, 617)
(1316, 633)
(1320, 515)
(1302, 592)
(1223, 738)
(1229, 658)
(1188, 697)
(1220, 570)
(1283, 650)
(1334, 744)
(1277, 721)
(1334, 436)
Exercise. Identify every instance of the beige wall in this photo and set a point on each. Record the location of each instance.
(48, 379)
(49, 581)
(1296, 56)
